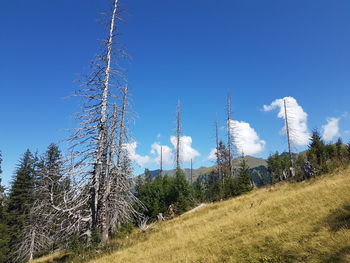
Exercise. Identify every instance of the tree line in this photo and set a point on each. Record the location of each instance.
(319, 158)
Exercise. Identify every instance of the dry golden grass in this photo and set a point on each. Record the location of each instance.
(298, 222)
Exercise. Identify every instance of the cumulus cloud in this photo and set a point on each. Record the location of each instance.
(297, 119)
(331, 129)
(245, 138)
(140, 160)
(167, 153)
(186, 151)
(212, 154)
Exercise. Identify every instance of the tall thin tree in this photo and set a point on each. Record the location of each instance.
(178, 137)
(161, 160)
(218, 162)
(229, 134)
(288, 135)
(100, 166)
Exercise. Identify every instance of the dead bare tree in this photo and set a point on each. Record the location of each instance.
(178, 137)
(229, 134)
(288, 134)
(191, 171)
(161, 160)
(35, 236)
(218, 161)
(119, 196)
(98, 168)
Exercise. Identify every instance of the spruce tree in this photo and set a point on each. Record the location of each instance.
(339, 148)
(243, 177)
(183, 192)
(317, 151)
(21, 197)
(223, 158)
(278, 166)
(50, 174)
(4, 235)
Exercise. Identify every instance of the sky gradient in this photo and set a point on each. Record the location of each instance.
(192, 51)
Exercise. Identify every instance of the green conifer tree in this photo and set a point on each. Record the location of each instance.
(339, 148)
(243, 177)
(21, 197)
(183, 192)
(317, 150)
(4, 235)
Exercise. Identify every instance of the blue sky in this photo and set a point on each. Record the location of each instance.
(192, 51)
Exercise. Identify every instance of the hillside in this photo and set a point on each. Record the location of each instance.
(300, 222)
(290, 222)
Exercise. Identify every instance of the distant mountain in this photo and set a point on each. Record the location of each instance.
(258, 170)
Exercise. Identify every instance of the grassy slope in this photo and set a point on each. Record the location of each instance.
(301, 222)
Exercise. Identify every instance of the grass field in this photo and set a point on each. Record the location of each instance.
(291, 222)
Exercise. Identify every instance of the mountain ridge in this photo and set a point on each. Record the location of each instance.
(256, 165)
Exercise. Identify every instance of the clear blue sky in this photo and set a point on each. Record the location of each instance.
(194, 51)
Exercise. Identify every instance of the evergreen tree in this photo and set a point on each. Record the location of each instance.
(199, 189)
(213, 188)
(155, 196)
(4, 235)
(339, 148)
(164, 191)
(223, 159)
(278, 166)
(243, 178)
(330, 151)
(230, 187)
(50, 174)
(138, 184)
(183, 192)
(317, 150)
(21, 197)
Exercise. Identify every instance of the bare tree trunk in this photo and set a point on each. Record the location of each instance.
(31, 249)
(102, 151)
(218, 163)
(229, 134)
(111, 153)
(178, 136)
(99, 197)
(191, 172)
(161, 160)
(288, 138)
(121, 139)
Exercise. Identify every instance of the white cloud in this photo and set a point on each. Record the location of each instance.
(186, 151)
(245, 138)
(167, 154)
(212, 154)
(297, 119)
(331, 129)
(140, 160)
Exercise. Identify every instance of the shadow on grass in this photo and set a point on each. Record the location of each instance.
(341, 256)
(339, 219)
(64, 258)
